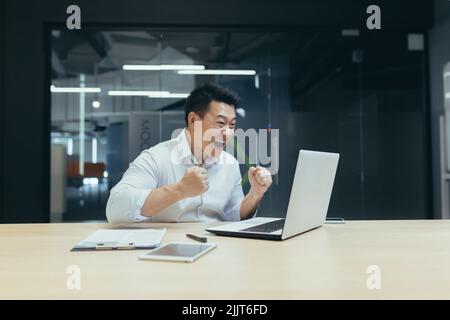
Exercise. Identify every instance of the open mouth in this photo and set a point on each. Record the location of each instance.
(218, 142)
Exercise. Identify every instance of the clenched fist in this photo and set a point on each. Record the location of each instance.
(194, 182)
(260, 179)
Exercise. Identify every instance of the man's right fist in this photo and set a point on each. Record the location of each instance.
(194, 182)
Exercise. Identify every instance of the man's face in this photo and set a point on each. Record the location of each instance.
(218, 126)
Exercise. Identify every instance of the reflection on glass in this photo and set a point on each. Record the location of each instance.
(116, 93)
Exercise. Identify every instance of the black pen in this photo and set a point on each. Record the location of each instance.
(196, 238)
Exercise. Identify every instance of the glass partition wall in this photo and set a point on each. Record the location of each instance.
(356, 93)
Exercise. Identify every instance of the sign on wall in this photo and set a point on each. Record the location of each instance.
(144, 132)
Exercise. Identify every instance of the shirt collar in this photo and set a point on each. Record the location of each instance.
(185, 154)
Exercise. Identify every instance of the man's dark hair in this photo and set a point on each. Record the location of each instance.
(199, 99)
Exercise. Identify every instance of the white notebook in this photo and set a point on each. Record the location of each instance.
(117, 239)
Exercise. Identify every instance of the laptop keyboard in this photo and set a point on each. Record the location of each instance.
(266, 227)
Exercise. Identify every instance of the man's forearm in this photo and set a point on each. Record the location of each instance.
(193, 183)
(249, 204)
(161, 198)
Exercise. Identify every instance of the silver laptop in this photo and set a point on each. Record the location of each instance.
(308, 202)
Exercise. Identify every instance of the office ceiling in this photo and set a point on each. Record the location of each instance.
(92, 52)
(314, 54)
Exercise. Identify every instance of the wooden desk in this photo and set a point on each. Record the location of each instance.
(330, 263)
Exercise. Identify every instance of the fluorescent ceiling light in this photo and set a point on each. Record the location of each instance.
(74, 89)
(135, 93)
(169, 95)
(220, 72)
(159, 67)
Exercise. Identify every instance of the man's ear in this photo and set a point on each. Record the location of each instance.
(192, 117)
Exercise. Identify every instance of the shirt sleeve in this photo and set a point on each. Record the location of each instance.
(233, 207)
(128, 196)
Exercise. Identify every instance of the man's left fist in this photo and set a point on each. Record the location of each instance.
(260, 179)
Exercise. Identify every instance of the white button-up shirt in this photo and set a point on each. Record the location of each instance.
(165, 164)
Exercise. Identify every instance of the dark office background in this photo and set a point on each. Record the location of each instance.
(386, 147)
